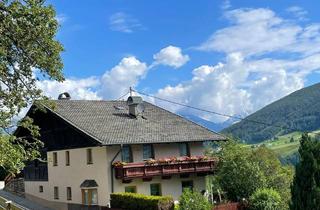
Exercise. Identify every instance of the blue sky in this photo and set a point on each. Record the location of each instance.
(232, 57)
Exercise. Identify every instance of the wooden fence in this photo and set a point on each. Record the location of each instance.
(230, 206)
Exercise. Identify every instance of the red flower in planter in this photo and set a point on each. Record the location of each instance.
(150, 161)
(182, 158)
(173, 159)
(118, 164)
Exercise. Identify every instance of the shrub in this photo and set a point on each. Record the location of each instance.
(135, 201)
(190, 200)
(265, 199)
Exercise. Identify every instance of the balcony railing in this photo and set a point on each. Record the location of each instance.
(145, 170)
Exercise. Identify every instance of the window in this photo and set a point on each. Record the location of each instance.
(89, 196)
(187, 185)
(41, 188)
(55, 158)
(56, 193)
(130, 189)
(184, 149)
(69, 194)
(148, 151)
(67, 158)
(126, 154)
(89, 156)
(155, 189)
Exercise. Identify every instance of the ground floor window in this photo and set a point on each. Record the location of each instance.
(56, 193)
(89, 196)
(41, 188)
(69, 193)
(187, 185)
(155, 189)
(130, 189)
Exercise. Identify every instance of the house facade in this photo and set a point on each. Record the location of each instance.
(95, 148)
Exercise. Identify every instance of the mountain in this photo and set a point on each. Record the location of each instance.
(299, 111)
(208, 124)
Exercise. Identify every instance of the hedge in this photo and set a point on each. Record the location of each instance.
(265, 199)
(135, 201)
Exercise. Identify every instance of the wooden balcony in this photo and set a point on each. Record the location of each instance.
(144, 170)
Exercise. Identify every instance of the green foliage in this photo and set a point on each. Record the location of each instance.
(305, 189)
(242, 171)
(135, 201)
(265, 199)
(288, 114)
(27, 43)
(238, 175)
(190, 200)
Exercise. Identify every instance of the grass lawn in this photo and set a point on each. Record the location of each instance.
(284, 146)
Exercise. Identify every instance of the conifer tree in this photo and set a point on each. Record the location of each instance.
(305, 189)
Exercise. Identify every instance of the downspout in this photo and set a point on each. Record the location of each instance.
(111, 166)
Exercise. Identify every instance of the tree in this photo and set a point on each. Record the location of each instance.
(190, 200)
(265, 199)
(28, 50)
(278, 177)
(243, 170)
(305, 189)
(238, 176)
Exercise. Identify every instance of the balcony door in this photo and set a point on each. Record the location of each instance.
(126, 154)
(148, 151)
(184, 149)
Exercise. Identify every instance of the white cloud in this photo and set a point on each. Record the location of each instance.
(226, 4)
(267, 57)
(229, 87)
(253, 31)
(77, 88)
(298, 12)
(170, 56)
(61, 18)
(124, 75)
(123, 22)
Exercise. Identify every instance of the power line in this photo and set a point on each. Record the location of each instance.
(209, 111)
(123, 95)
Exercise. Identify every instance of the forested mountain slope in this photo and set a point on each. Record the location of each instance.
(299, 111)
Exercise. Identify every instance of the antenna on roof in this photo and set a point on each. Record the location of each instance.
(130, 90)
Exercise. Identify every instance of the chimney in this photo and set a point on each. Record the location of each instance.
(64, 96)
(133, 102)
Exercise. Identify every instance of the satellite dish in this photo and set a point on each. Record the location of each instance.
(140, 108)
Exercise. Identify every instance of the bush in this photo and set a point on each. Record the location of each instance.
(190, 200)
(135, 201)
(265, 199)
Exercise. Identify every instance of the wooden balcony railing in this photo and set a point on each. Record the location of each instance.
(143, 170)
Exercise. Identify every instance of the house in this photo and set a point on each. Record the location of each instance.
(94, 148)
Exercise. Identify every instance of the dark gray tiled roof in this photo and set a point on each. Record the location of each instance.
(100, 120)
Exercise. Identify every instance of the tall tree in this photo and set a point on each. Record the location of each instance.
(28, 48)
(305, 189)
(243, 170)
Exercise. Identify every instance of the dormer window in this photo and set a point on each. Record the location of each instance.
(148, 151)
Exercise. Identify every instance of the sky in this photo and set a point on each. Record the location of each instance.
(228, 56)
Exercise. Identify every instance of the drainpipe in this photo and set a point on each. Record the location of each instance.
(111, 166)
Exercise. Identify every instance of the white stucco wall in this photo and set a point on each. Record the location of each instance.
(72, 176)
(170, 186)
